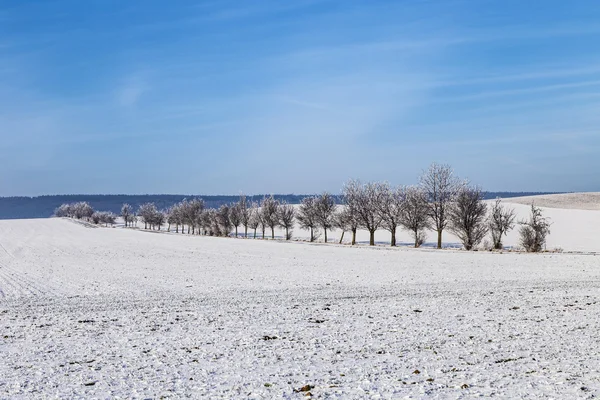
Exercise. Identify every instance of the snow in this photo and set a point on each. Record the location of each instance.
(580, 201)
(116, 313)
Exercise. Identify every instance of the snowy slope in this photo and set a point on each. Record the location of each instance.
(107, 313)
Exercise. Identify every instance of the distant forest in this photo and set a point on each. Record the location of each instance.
(44, 206)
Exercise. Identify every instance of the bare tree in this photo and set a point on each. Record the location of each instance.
(193, 209)
(177, 216)
(307, 216)
(212, 217)
(169, 217)
(500, 222)
(206, 221)
(390, 205)
(245, 213)
(82, 210)
(235, 216)
(64, 211)
(158, 219)
(441, 186)
(126, 211)
(364, 200)
(269, 211)
(325, 211)
(104, 217)
(224, 220)
(254, 220)
(132, 219)
(534, 231)
(346, 220)
(147, 212)
(414, 215)
(286, 217)
(467, 216)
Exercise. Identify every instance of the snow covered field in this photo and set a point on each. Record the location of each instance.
(108, 313)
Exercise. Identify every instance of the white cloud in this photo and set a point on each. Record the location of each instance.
(130, 93)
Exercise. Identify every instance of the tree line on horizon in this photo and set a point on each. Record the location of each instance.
(441, 201)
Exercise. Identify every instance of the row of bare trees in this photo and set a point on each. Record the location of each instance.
(84, 211)
(441, 201)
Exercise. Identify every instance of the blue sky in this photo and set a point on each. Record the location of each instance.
(222, 97)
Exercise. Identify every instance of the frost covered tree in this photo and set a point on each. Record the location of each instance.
(104, 217)
(501, 221)
(212, 219)
(169, 218)
(108, 218)
(177, 216)
(389, 205)
(307, 216)
(126, 211)
(132, 219)
(224, 220)
(206, 221)
(325, 208)
(346, 221)
(245, 210)
(158, 219)
(235, 217)
(82, 210)
(63, 211)
(269, 208)
(533, 233)
(441, 186)
(286, 217)
(254, 220)
(192, 211)
(147, 212)
(467, 216)
(414, 215)
(364, 200)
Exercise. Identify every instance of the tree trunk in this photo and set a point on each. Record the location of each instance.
(254, 233)
(176, 228)
(287, 236)
(325, 229)
(439, 243)
(245, 231)
(272, 233)
(236, 231)
(263, 232)
(145, 225)
(393, 243)
(169, 228)
(312, 237)
(353, 237)
(372, 237)
(416, 238)
(342, 237)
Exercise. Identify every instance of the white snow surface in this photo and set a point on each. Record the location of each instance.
(119, 313)
(579, 201)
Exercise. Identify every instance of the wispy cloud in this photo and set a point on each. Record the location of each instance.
(131, 91)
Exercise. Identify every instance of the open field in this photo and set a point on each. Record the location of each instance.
(97, 313)
(574, 201)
